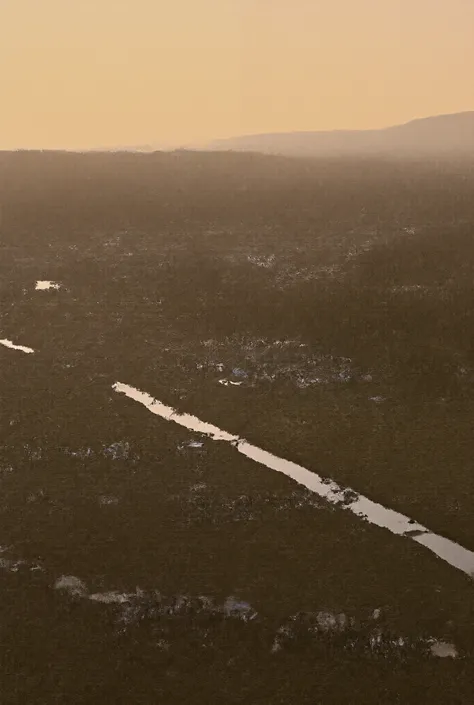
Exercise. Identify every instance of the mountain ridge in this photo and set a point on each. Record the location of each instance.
(436, 134)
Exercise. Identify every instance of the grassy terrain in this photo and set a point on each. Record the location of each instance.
(340, 295)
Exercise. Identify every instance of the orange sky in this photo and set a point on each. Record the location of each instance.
(85, 73)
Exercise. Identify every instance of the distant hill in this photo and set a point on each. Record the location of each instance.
(443, 135)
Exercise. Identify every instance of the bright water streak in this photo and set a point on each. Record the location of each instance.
(399, 524)
(44, 285)
(9, 344)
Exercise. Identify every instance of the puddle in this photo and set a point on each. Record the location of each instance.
(72, 585)
(110, 598)
(237, 372)
(191, 444)
(239, 609)
(44, 285)
(9, 344)
(253, 361)
(346, 498)
(136, 605)
(82, 453)
(198, 487)
(443, 649)
(408, 288)
(13, 566)
(108, 501)
(32, 453)
(361, 637)
(118, 451)
(262, 261)
(202, 614)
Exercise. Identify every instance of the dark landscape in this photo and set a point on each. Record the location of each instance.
(320, 308)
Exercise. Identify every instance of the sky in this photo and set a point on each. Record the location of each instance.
(79, 74)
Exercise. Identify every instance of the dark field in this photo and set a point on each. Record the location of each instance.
(139, 570)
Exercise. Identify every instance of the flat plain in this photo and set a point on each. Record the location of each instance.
(320, 309)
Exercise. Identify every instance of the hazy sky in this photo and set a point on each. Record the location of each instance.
(86, 73)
